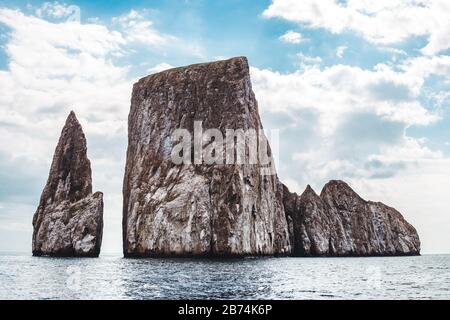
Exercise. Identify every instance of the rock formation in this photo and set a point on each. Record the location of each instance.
(201, 209)
(69, 219)
(340, 223)
(197, 209)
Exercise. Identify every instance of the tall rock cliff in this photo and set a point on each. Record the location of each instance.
(340, 223)
(197, 209)
(69, 219)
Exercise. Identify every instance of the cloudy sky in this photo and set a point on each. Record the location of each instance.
(359, 90)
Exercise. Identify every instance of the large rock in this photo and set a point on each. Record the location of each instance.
(69, 219)
(197, 209)
(340, 223)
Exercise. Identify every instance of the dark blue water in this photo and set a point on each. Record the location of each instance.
(113, 277)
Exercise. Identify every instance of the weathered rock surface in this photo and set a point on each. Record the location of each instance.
(200, 209)
(69, 219)
(340, 223)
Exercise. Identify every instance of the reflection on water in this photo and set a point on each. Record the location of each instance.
(108, 277)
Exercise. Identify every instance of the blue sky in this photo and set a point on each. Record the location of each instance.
(358, 89)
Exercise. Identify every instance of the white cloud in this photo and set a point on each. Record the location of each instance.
(346, 105)
(292, 37)
(381, 21)
(56, 67)
(58, 10)
(340, 51)
(331, 113)
(92, 39)
(394, 51)
(334, 91)
(423, 67)
(138, 29)
(140, 34)
(306, 61)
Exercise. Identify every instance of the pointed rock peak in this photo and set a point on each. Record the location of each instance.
(309, 192)
(336, 183)
(70, 173)
(72, 117)
(72, 122)
(338, 187)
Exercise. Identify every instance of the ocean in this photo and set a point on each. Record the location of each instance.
(114, 277)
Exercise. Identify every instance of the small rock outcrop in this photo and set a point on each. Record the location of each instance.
(340, 223)
(197, 209)
(69, 219)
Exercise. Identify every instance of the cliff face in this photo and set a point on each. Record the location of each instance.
(69, 219)
(340, 223)
(197, 209)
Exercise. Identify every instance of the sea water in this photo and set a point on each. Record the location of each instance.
(114, 277)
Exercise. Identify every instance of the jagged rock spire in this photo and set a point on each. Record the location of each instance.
(341, 223)
(69, 219)
(70, 172)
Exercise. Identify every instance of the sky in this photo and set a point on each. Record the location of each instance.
(359, 91)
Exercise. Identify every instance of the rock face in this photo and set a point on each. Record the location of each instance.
(197, 209)
(340, 223)
(69, 219)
